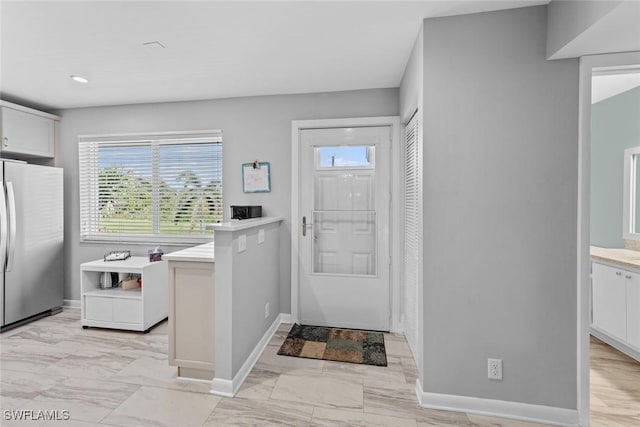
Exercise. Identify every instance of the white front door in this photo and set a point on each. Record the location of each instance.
(344, 235)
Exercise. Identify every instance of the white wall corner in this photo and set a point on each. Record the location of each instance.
(229, 388)
(497, 408)
(71, 303)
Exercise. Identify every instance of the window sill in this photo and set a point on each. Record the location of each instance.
(146, 241)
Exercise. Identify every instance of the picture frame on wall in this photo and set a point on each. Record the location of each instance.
(256, 177)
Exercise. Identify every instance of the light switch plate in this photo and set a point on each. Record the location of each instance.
(242, 243)
(261, 236)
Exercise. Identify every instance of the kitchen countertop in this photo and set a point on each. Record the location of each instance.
(619, 256)
(200, 253)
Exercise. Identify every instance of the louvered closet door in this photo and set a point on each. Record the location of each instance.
(411, 232)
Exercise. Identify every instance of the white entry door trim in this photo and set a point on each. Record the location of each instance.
(395, 169)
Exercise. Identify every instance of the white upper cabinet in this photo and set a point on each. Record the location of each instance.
(27, 132)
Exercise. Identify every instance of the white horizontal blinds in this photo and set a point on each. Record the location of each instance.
(190, 187)
(166, 186)
(411, 232)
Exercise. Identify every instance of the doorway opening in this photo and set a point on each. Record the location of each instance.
(600, 225)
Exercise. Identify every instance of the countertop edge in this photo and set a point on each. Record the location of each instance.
(614, 258)
(200, 253)
(244, 224)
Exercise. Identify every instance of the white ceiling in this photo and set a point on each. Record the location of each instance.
(214, 49)
(606, 85)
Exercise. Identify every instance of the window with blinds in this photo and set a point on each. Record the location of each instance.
(150, 188)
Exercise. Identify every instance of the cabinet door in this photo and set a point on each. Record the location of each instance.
(609, 300)
(127, 310)
(633, 309)
(29, 134)
(98, 308)
(191, 315)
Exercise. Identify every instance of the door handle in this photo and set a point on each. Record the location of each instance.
(3, 229)
(11, 244)
(305, 225)
(618, 273)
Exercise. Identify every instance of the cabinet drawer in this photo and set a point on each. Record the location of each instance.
(98, 308)
(127, 310)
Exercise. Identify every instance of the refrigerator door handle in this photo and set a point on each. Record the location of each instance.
(3, 229)
(11, 199)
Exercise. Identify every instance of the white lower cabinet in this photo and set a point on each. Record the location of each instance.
(136, 309)
(615, 305)
(609, 300)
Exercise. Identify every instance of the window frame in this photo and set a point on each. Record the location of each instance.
(155, 140)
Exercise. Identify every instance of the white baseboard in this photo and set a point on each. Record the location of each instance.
(229, 388)
(615, 343)
(71, 303)
(286, 318)
(222, 387)
(497, 408)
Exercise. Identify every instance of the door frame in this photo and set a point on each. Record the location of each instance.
(394, 218)
(587, 65)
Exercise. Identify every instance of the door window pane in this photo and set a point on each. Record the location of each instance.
(349, 156)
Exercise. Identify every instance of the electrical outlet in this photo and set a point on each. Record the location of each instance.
(261, 236)
(266, 310)
(495, 369)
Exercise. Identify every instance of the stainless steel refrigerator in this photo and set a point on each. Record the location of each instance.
(31, 241)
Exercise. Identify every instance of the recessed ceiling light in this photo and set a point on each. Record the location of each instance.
(79, 79)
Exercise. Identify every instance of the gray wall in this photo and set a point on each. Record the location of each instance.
(255, 282)
(245, 282)
(615, 126)
(254, 128)
(500, 183)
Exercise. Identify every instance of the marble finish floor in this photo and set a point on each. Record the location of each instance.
(112, 378)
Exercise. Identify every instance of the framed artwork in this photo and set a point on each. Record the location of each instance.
(256, 177)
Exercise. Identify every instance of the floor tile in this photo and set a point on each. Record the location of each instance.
(399, 400)
(319, 391)
(85, 399)
(258, 385)
(484, 421)
(90, 364)
(30, 356)
(53, 364)
(73, 423)
(271, 361)
(25, 385)
(156, 372)
(161, 407)
(245, 412)
(335, 417)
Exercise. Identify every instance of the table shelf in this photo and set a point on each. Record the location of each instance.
(135, 309)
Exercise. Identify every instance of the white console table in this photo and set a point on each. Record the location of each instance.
(134, 310)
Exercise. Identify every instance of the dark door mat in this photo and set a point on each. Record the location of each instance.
(340, 345)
